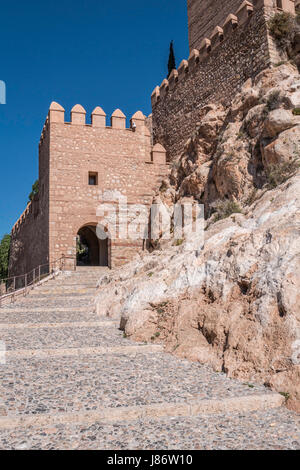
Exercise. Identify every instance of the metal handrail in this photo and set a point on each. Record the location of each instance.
(13, 286)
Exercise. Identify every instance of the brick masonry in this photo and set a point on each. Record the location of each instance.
(205, 15)
(125, 162)
(238, 46)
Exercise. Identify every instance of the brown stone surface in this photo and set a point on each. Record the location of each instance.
(204, 15)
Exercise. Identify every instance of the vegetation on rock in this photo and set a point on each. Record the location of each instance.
(4, 256)
(224, 209)
(283, 27)
(279, 174)
(35, 190)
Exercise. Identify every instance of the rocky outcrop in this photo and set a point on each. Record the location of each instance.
(233, 301)
(233, 149)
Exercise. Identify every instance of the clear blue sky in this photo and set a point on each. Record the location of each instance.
(91, 52)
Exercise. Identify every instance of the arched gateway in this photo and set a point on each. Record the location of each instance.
(90, 250)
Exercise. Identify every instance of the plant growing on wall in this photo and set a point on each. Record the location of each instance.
(4, 256)
(172, 60)
(283, 28)
(35, 190)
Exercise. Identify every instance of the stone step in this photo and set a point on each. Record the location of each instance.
(35, 302)
(195, 407)
(71, 379)
(15, 308)
(56, 291)
(71, 284)
(61, 337)
(81, 380)
(82, 324)
(43, 354)
(36, 316)
(79, 277)
(84, 274)
(273, 429)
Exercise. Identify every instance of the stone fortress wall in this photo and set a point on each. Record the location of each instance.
(229, 43)
(30, 234)
(235, 46)
(204, 15)
(122, 160)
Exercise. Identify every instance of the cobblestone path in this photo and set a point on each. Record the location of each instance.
(72, 381)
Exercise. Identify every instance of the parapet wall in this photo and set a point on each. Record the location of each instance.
(29, 241)
(30, 234)
(236, 50)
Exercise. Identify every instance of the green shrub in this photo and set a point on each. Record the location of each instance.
(273, 100)
(163, 188)
(286, 395)
(252, 197)
(296, 112)
(4, 256)
(35, 190)
(224, 209)
(278, 174)
(280, 63)
(178, 242)
(282, 27)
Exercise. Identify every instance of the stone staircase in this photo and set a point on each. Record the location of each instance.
(72, 381)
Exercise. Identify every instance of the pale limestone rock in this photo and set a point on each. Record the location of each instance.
(245, 101)
(254, 120)
(278, 121)
(233, 303)
(284, 149)
(294, 99)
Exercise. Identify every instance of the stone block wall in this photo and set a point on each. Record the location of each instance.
(30, 234)
(235, 50)
(204, 15)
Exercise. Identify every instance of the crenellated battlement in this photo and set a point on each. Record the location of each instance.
(98, 118)
(30, 211)
(198, 57)
(22, 218)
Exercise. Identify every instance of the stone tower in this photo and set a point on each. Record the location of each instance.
(204, 15)
(84, 170)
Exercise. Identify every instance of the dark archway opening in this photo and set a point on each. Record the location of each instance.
(90, 251)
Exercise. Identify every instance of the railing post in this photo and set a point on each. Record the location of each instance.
(63, 263)
(14, 288)
(39, 273)
(25, 284)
